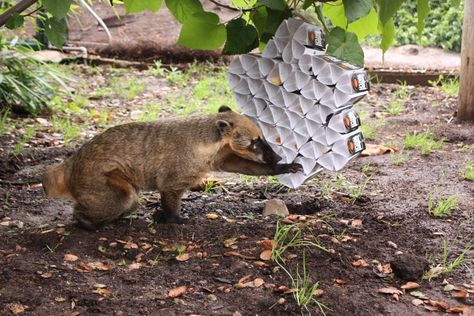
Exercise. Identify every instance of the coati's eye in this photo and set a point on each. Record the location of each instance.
(254, 144)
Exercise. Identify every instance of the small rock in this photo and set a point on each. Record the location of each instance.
(275, 206)
(409, 267)
(42, 121)
(212, 297)
(136, 114)
(281, 301)
(392, 244)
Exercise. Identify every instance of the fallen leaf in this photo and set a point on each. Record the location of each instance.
(103, 292)
(268, 244)
(419, 295)
(176, 292)
(360, 263)
(230, 242)
(390, 290)
(340, 282)
(356, 223)
(448, 288)
(183, 257)
(442, 305)
(459, 309)
(378, 150)
(46, 275)
(457, 293)
(266, 255)
(417, 302)
(318, 292)
(259, 264)
(60, 299)
(16, 308)
(134, 266)
(70, 257)
(212, 216)
(410, 286)
(258, 282)
(396, 297)
(98, 265)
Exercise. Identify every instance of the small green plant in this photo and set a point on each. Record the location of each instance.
(370, 130)
(468, 173)
(394, 107)
(305, 289)
(154, 262)
(399, 158)
(157, 69)
(450, 86)
(356, 192)
(443, 207)
(67, 128)
(128, 89)
(6, 203)
(30, 131)
(177, 77)
(424, 142)
(151, 112)
(52, 248)
(449, 266)
(4, 128)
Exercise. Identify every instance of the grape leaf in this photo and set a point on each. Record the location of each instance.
(133, 6)
(279, 5)
(356, 9)
(387, 9)
(55, 31)
(202, 30)
(58, 8)
(388, 32)
(423, 10)
(345, 46)
(183, 9)
(241, 37)
(16, 20)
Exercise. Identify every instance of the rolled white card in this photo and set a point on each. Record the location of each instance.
(353, 82)
(291, 120)
(277, 98)
(236, 67)
(345, 121)
(279, 73)
(267, 116)
(239, 83)
(254, 85)
(249, 62)
(280, 44)
(269, 132)
(278, 113)
(260, 105)
(313, 150)
(289, 154)
(296, 81)
(343, 151)
(308, 164)
(311, 36)
(265, 65)
(300, 128)
(332, 161)
(271, 51)
(315, 90)
(342, 99)
(300, 139)
(320, 64)
(289, 98)
(242, 100)
(249, 108)
(305, 64)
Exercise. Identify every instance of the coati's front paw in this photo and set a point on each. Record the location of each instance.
(164, 218)
(290, 168)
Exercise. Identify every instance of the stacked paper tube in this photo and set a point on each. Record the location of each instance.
(302, 100)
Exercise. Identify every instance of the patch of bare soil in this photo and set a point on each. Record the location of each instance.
(48, 266)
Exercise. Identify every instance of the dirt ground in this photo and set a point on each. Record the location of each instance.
(371, 214)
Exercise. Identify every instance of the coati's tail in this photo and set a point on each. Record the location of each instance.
(55, 181)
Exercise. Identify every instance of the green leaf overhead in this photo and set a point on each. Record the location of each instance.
(58, 8)
(267, 21)
(423, 10)
(55, 31)
(202, 31)
(345, 46)
(387, 9)
(241, 37)
(134, 6)
(183, 9)
(388, 33)
(356, 9)
(16, 20)
(279, 5)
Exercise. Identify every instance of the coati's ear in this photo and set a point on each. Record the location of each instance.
(224, 127)
(224, 108)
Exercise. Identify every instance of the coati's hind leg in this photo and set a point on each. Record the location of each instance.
(105, 200)
(170, 207)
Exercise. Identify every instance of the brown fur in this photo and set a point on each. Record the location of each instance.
(105, 176)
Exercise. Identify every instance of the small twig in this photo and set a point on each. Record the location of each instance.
(320, 15)
(34, 11)
(230, 8)
(18, 182)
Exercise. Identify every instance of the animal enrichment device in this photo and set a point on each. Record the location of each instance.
(302, 100)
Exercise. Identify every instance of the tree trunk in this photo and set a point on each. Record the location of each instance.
(466, 89)
(18, 8)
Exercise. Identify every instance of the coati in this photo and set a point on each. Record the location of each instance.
(106, 174)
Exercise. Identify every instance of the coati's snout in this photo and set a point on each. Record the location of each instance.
(245, 138)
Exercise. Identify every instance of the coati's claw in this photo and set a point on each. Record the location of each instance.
(163, 218)
(295, 167)
(289, 168)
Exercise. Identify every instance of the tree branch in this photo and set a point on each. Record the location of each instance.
(17, 8)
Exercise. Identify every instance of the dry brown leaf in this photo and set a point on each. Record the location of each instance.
(417, 302)
(378, 150)
(389, 290)
(46, 275)
(287, 221)
(16, 308)
(260, 264)
(134, 266)
(459, 309)
(360, 263)
(410, 286)
(60, 299)
(318, 292)
(396, 297)
(340, 282)
(103, 292)
(442, 305)
(70, 257)
(183, 257)
(266, 255)
(98, 265)
(232, 254)
(258, 282)
(212, 216)
(176, 292)
(457, 293)
(356, 223)
(432, 308)
(268, 244)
